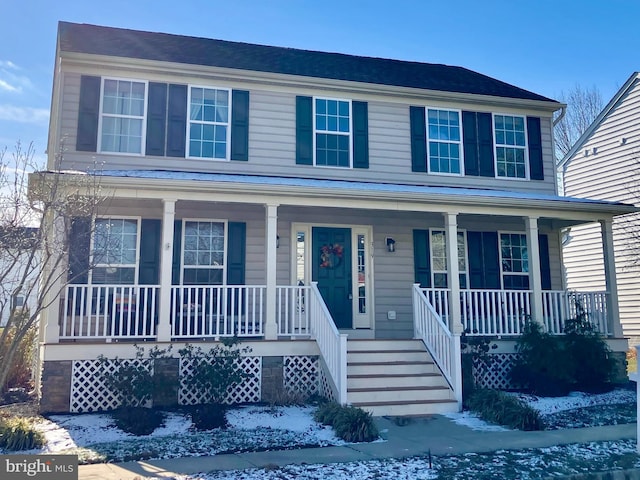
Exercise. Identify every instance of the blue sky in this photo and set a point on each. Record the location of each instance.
(547, 46)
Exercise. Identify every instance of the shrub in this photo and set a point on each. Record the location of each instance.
(209, 416)
(138, 420)
(474, 348)
(19, 434)
(327, 412)
(504, 409)
(352, 424)
(20, 370)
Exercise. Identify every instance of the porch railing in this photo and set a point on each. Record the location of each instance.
(292, 313)
(213, 311)
(559, 306)
(332, 344)
(109, 312)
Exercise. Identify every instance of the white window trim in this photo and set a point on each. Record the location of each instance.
(143, 139)
(205, 267)
(460, 142)
(502, 272)
(526, 147)
(466, 256)
(350, 135)
(228, 124)
(136, 266)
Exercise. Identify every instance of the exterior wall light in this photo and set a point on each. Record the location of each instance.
(391, 244)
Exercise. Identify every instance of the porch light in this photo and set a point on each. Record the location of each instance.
(277, 241)
(391, 244)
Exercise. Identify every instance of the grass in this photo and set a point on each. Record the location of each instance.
(632, 361)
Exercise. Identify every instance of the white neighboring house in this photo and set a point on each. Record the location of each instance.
(15, 250)
(604, 164)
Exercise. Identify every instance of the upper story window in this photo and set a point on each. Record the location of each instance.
(514, 258)
(115, 248)
(123, 116)
(444, 141)
(203, 252)
(511, 146)
(208, 129)
(332, 132)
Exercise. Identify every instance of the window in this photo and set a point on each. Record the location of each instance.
(511, 146)
(123, 116)
(204, 253)
(514, 258)
(115, 247)
(443, 133)
(332, 123)
(439, 259)
(209, 128)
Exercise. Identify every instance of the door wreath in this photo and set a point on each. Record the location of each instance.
(331, 255)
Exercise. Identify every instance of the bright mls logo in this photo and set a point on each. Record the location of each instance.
(52, 467)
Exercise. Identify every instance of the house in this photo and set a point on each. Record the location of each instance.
(604, 164)
(308, 203)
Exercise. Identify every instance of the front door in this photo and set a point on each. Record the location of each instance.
(331, 260)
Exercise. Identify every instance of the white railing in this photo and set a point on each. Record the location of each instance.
(332, 344)
(292, 314)
(109, 312)
(495, 312)
(559, 306)
(213, 311)
(439, 300)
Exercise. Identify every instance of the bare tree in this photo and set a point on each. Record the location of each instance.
(583, 106)
(37, 211)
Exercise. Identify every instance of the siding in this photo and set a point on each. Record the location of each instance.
(611, 173)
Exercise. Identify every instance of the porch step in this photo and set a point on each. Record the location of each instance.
(396, 377)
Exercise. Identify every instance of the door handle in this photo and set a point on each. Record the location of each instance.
(351, 296)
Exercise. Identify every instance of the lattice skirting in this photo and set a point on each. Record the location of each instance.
(301, 375)
(326, 390)
(495, 374)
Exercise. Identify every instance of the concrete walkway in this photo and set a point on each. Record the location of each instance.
(436, 434)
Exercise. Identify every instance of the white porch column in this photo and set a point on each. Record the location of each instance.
(453, 271)
(535, 278)
(611, 282)
(271, 232)
(166, 266)
(51, 316)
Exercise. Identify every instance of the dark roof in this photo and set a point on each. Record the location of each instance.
(92, 39)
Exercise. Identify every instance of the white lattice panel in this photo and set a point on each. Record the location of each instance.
(89, 392)
(301, 374)
(248, 391)
(496, 373)
(324, 385)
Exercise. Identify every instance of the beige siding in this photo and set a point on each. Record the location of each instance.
(609, 171)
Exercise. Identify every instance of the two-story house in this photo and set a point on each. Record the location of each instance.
(309, 203)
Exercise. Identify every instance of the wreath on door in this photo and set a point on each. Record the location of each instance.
(331, 255)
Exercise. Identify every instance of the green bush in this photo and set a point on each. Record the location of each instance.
(138, 420)
(209, 416)
(504, 409)
(352, 424)
(327, 412)
(19, 434)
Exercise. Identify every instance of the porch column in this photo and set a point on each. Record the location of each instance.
(56, 235)
(535, 278)
(270, 327)
(611, 282)
(166, 267)
(453, 270)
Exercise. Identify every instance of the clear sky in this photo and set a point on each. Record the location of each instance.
(546, 46)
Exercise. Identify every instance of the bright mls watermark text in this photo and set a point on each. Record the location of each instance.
(48, 467)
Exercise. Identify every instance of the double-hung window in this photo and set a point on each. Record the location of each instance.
(511, 146)
(204, 247)
(514, 258)
(439, 259)
(115, 250)
(332, 124)
(123, 116)
(209, 130)
(444, 141)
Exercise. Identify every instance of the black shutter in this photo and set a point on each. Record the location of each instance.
(240, 125)
(476, 267)
(484, 260)
(88, 111)
(418, 139)
(534, 139)
(304, 130)
(545, 262)
(156, 119)
(470, 143)
(177, 121)
(79, 250)
(177, 252)
(237, 251)
(360, 122)
(422, 258)
(485, 145)
(150, 238)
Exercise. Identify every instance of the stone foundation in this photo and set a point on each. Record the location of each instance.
(55, 387)
(272, 378)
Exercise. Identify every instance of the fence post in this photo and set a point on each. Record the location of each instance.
(342, 370)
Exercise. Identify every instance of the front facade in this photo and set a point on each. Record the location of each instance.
(308, 203)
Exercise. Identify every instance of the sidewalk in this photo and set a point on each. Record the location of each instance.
(436, 434)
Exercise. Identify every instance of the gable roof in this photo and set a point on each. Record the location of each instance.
(118, 42)
(628, 85)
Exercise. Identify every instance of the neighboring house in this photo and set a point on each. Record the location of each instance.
(604, 164)
(306, 202)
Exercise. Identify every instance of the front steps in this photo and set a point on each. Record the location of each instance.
(396, 378)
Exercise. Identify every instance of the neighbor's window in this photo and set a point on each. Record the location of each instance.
(208, 123)
(443, 133)
(203, 253)
(123, 114)
(115, 247)
(515, 261)
(333, 132)
(511, 146)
